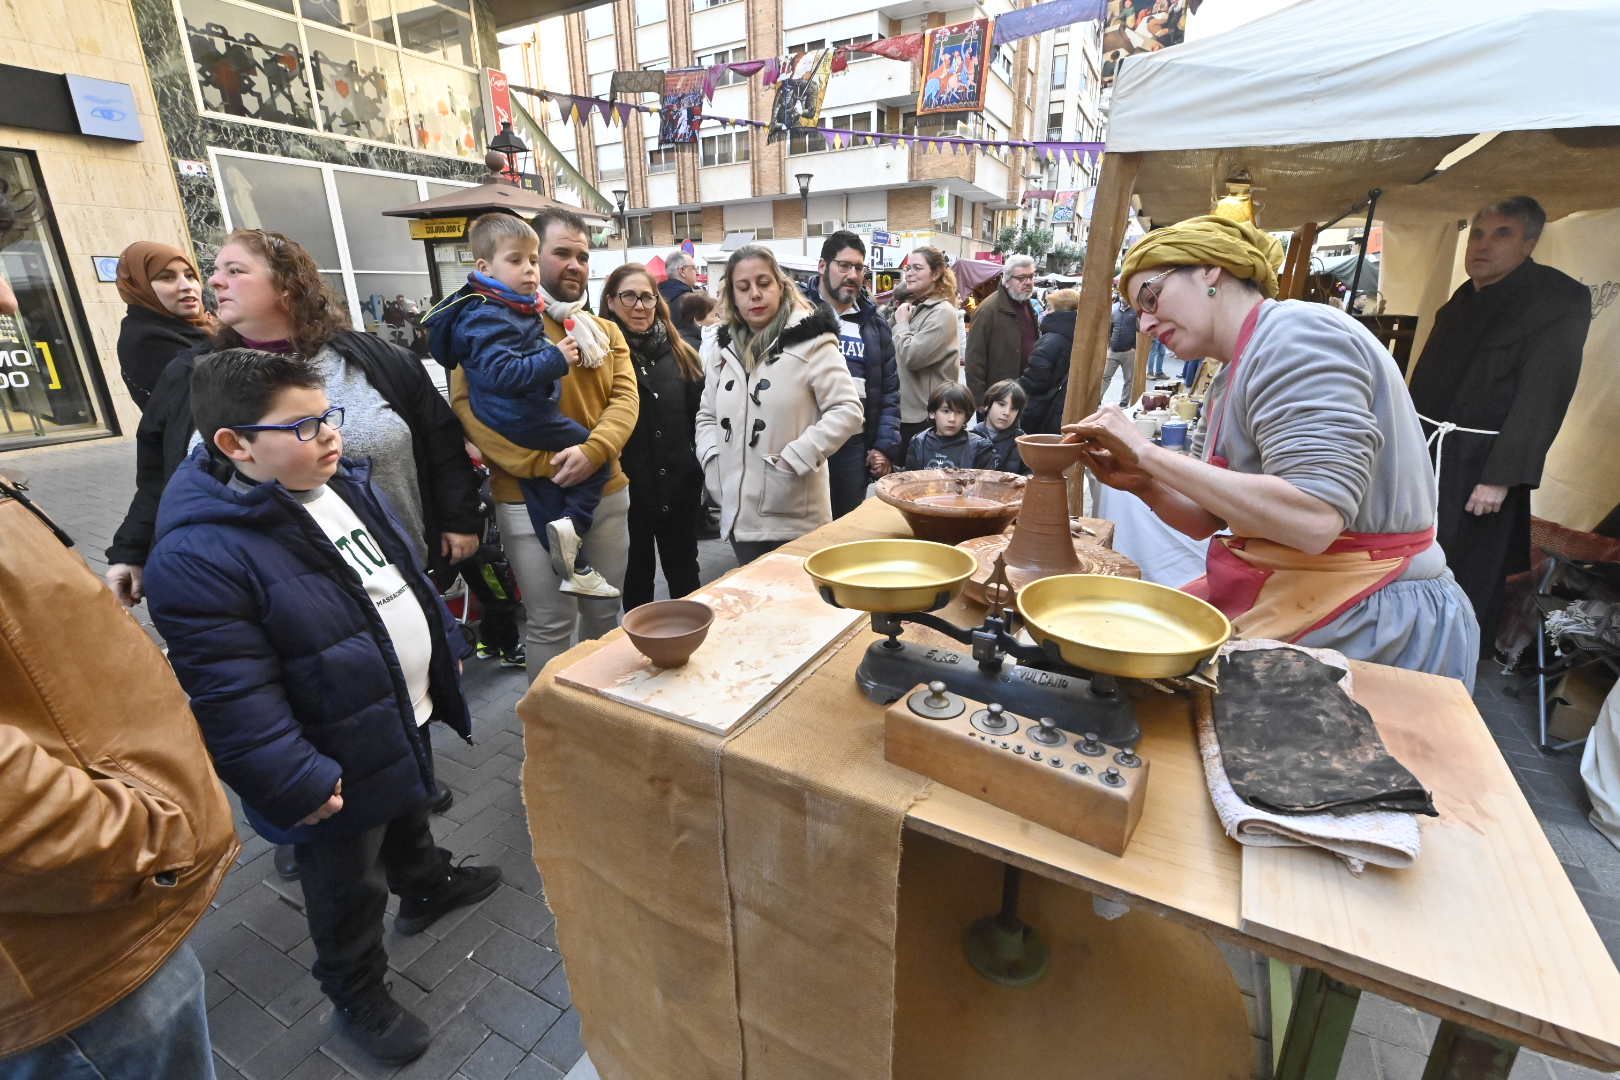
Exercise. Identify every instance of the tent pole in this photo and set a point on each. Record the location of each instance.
(1109, 214)
(1361, 252)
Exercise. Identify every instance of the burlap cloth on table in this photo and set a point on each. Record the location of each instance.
(727, 908)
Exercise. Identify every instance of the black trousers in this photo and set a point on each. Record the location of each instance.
(346, 882)
(667, 538)
(847, 475)
(749, 550)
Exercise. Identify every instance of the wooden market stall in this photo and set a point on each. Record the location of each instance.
(1443, 107)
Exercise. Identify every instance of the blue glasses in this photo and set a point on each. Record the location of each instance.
(305, 429)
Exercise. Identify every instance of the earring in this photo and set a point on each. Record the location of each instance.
(1211, 290)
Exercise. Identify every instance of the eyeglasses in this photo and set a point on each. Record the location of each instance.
(636, 299)
(1147, 297)
(849, 267)
(305, 429)
(1021, 277)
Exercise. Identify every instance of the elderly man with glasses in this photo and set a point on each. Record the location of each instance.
(1004, 329)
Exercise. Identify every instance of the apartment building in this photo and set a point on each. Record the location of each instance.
(1070, 106)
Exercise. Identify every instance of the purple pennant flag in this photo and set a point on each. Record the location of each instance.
(711, 80)
(748, 68)
(1048, 16)
(773, 71)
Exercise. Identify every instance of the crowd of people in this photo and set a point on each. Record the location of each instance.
(304, 492)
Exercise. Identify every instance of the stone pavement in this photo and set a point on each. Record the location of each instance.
(489, 978)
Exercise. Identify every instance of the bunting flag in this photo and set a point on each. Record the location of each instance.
(636, 82)
(800, 92)
(904, 47)
(956, 66)
(678, 112)
(1049, 16)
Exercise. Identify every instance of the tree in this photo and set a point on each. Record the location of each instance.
(1024, 240)
(1066, 259)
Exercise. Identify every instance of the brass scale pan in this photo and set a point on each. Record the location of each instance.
(1107, 625)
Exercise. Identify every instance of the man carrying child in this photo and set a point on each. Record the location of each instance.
(315, 650)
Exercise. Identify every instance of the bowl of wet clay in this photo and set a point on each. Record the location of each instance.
(949, 506)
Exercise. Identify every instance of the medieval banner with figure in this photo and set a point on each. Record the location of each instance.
(956, 67)
(1136, 26)
(799, 92)
(679, 111)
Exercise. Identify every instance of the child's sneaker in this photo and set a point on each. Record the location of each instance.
(517, 656)
(588, 582)
(487, 652)
(564, 544)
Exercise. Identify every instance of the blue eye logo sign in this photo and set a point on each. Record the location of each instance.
(105, 109)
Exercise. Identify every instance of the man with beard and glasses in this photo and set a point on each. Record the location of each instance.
(604, 399)
(868, 348)
(1003, 332)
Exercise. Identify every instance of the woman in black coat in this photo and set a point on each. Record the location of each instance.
(1046, 377)
(660, 457)
(166, 316)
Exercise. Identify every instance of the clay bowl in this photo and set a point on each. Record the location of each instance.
(668, 632)
(1048, 454)
(949, 506)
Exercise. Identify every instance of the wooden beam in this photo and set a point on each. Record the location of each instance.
(1110, 212)
(1144, 345)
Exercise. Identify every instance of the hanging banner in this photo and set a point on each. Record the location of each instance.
(956, 60)
(799, 93)
(1063, 207)
(1049, 16)
(1136, 26)
(637, 82)
(497, 100)
(904, 47)
(678, 113)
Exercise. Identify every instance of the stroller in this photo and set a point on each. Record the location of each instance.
(481, 592)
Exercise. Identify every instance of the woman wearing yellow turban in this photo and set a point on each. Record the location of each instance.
(1310, 453)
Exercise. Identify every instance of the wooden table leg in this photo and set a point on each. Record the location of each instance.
(1461, 1053)
(1318, 1028)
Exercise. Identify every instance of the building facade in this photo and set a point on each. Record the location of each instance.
(1069, 107)
(735, 186)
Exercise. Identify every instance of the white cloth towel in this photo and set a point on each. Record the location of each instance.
(1381, 837)
(586, 331)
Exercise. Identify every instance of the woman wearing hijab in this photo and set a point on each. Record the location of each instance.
(166, 315)
(1311, 455)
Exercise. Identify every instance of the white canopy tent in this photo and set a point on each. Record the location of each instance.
(1444, 106)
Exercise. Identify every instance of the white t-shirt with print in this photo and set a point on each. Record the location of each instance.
(401, 612)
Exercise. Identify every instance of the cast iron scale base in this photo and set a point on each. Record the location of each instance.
(1028, 680)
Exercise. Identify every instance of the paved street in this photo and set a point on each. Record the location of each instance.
(489, 979)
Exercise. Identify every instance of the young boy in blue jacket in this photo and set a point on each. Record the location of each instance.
(949, 444)
(314, 650)
(492, 329)
(1003, 407)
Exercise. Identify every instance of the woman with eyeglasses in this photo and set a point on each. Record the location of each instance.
(166, 316)
(778, 400)
(660, 457)
(1310, 454)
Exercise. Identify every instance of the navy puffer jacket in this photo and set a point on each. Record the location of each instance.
(290, 670)
(877, 370)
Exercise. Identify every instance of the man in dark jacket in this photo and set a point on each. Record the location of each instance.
(315, 651)
(682, 279)
(868, 347)
(1121, 351)
(1004, 329)
(1495, 379)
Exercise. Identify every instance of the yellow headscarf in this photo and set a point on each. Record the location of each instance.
(1235, 246)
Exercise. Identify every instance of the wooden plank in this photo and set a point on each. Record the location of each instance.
(771, 600)
(1486, 922)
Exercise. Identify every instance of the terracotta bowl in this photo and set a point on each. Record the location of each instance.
(668, 632)
(949, 506)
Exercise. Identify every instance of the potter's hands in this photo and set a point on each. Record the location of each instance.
(1113, 448)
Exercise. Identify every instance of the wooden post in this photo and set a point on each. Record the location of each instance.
(1110, 212)
(1297, 269)
(1144, 345)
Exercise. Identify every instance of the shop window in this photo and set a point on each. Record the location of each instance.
(438, 28)
(373, 18)
(689, 225)
(639, 231)
(377, 243)
(447, 112)
(359, 87)
(286, 198)
(45, 389)
(248, 62)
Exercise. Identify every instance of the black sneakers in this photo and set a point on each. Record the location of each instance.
(384, 1028)
(453, 887)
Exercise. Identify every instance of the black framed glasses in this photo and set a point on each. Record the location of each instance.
(1147, 297)
(303, 430)
(636, 299)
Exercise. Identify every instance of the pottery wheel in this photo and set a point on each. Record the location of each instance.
(1094, 559)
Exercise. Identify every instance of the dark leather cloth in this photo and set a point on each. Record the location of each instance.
(1293, 742)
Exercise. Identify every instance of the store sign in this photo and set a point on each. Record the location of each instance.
(940, 208)
(105, 109)
(499, 99)
(442, 228)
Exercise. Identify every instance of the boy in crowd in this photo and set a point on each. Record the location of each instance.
(949, 443)
(491, 327)
(1004, 406)
(315, 651)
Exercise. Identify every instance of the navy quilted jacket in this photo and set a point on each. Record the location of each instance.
(291, 673)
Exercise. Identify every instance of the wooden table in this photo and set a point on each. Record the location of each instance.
(1485, 932)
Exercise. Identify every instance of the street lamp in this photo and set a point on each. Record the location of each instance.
(804, 179)
(619, 195)
(510, 147)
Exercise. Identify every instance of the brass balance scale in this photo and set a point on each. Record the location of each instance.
(1087, 631)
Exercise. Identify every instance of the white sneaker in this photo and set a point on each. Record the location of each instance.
(588, 583)
(564, 544)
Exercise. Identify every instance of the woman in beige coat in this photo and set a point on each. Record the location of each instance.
(927, 345)
(778, 400)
